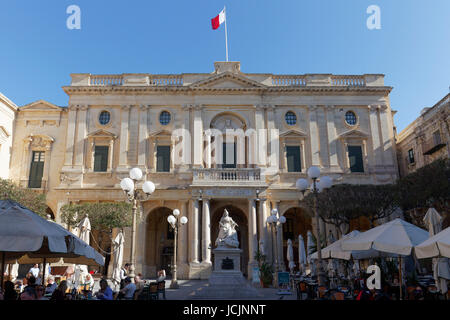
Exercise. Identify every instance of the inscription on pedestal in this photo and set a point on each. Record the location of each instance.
(227, 264)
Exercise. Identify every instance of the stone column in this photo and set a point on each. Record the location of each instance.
(193, 227)
(280, 240)
(208, 149)
(264, 231)
(206, 233)
(314, 136)
(198, 137)
(252, 236)
(142, 144)
(183, 242)
(81, 134)
(332, 137)
(124, 136)
(387, 138)
(25, 160)
(47, 157)
(110, 155)
(72, 116)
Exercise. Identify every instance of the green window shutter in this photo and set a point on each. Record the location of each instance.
(293, 159)
(355, 158)
(101, 158)
(163, 159)
(228, 148)
(36, 170)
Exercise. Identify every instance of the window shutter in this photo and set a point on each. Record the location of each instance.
(228, 148)
(355, 158)
(36, 170)
(101, 158)
(163, 159)
(293, 159)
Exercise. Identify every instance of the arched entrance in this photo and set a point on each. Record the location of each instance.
(242, 230)
(298, 222)
(159, 242)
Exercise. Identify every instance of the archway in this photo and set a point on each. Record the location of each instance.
(159, 242)
(242, 230)
(298, 222)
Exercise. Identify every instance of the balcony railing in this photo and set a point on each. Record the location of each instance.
(289, 80)
(353, 81)
(430, 146)
(238, 175)
(106, 80)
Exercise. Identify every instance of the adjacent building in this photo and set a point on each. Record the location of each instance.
(8, 112)
(426, 139)
(208, 141)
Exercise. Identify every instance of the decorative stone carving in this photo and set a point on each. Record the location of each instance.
(227, 234)
(224, 122)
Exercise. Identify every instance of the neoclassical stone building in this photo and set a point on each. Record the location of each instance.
(8, 111)
(426, 139)
(341, 123)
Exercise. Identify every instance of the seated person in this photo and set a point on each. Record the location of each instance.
(105, 292)
(128, 290)
(139, 283)
(51, 286)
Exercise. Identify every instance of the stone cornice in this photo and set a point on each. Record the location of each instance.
(137, 90)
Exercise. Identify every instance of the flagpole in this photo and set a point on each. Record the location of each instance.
(226, 37)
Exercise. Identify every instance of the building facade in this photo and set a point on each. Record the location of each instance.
(8, 112)
(426, 139)
(208, 141)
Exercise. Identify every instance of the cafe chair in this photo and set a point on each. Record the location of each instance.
(161, 289)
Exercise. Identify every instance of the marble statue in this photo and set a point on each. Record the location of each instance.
(227, 233)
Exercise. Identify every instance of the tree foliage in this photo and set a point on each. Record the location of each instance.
(104, 216)
(344, 202)
(427, 187)
(26, 197)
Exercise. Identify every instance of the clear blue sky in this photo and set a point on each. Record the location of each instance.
(38, 52)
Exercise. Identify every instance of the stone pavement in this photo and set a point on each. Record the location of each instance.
(188, 287)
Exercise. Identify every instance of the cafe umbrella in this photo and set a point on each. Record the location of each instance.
(26, 237)
(396, 237)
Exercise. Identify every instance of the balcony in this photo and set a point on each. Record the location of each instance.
(432, 145)
(228, 177)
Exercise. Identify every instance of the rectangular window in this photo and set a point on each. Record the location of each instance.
(229, 155)
(437, 138)
(163, 158)
(36, 170)
(355, 158)
(293, 159)
(288, 229)
(411, 156)
(101, 158)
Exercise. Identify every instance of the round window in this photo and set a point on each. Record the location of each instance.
(291, 118)
(164, 118)
(350, 118)
(104, 117)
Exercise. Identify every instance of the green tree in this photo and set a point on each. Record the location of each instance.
(26, 197)
(427, 187)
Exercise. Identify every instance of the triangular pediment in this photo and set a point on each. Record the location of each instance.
(228, 80)
(160, 133)
(293, 133)
(354, 133)
(41, 105)
(102, 134)
(4, 133)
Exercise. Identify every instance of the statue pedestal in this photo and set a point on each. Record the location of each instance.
(227, 281)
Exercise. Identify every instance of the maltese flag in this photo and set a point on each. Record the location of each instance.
(218, 20)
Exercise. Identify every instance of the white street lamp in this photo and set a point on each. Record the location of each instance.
(172, 219)
(128, 185)
(316, 187)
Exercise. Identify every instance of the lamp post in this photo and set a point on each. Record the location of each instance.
(275, 221)
(175, 223)
(134, 195)
(316, 187)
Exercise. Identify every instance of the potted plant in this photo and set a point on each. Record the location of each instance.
(265, 270)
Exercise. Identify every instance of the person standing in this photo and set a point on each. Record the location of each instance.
(123, 275)
(35, 270)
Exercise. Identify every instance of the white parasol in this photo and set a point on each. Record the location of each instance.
(301, 255)
(290, 255)
(118, 257)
